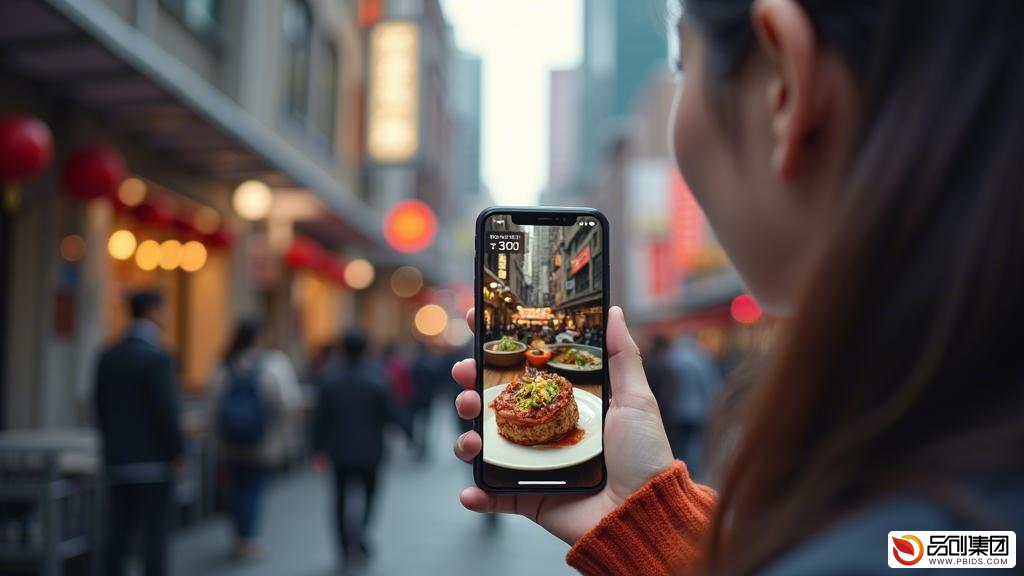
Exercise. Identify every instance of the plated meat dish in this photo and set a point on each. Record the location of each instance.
(577, 357)
(536, 408)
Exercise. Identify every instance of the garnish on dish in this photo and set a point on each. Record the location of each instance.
(506, 344)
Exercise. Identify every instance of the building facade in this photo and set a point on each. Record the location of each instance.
(196, 97)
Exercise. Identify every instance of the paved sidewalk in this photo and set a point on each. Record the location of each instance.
(419, 529)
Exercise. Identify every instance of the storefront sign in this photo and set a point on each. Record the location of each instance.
(393, 134)
(580, 260)
(535, 314)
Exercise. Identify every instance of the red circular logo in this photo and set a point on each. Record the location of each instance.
(905, 545)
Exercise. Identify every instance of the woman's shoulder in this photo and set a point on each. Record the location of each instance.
(860, 544)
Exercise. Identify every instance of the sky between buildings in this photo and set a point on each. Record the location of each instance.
(519, 43)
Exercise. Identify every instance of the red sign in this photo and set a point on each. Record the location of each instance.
(580, 260)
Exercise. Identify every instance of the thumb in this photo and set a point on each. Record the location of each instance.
(626, 369)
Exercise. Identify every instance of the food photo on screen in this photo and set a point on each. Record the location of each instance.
(543, 345)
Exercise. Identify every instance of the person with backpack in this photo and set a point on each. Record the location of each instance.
(256, 396)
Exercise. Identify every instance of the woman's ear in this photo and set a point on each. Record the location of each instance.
(786, 36)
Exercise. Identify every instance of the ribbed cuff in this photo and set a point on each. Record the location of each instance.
(658, 530)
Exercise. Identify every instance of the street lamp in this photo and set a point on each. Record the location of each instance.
(252, 200)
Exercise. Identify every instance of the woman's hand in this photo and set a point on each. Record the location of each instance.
(635, 445)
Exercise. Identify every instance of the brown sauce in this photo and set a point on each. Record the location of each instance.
(570, 438)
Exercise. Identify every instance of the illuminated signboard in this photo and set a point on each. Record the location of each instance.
(579, 261)
(393, 133)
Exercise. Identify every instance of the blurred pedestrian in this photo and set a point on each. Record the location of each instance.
(138, 417)
(428, 372)
(354, 408)
(399, 374)
(255, 398)
(660, 376)
(697, 383)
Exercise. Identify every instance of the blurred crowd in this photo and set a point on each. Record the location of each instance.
(353, 396)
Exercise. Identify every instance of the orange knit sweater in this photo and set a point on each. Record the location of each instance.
(658, 530)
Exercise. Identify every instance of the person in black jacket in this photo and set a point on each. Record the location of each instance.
(137, 415)
(354, 408)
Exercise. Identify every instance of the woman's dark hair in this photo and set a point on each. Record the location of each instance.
(247, 333)
(900, 372)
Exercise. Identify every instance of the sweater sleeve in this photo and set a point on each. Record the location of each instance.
(658, 530)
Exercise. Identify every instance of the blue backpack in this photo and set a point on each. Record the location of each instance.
(243, 419)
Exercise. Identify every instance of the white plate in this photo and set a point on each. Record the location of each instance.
(500, 452)
(556, 350)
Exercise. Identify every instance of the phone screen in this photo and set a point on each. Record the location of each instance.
(542, 339)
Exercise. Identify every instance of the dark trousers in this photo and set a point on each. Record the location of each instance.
(245, 485)
(345, 478)
(420, 416)
(138, 509)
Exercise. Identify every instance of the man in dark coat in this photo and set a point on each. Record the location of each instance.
(354, 408)
(138, 419)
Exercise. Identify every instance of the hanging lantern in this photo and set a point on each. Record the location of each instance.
(155, 211)
(93, 173)
(26, 147)
(334, 269)
(221, 238)
(304, 253)
(185, 224)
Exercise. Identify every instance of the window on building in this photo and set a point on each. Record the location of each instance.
(298, 25)
(325, 89)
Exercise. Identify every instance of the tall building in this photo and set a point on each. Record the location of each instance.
(624, 45)
(564, 121)
(467, 112)
(409, 129)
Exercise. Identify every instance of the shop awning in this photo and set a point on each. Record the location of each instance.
(84, 51)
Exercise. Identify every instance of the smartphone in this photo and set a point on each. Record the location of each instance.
(541, 284)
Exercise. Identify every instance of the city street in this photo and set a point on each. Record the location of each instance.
(420, 527)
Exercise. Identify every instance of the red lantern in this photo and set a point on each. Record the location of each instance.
(334, 269)
(26, 147)
(185, 223)
(304, 253)
(410, 226)
(155, 211)
(222, 238)
(93, 173)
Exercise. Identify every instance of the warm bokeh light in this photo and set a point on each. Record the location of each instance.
(121, 245)
(206, 220)
(359, 274)
(745, 309)
(252, 200)
(457, 332)
(431, 320)
(131, 192)
(170, 255)
(147, 256)
(72, 248)
(410, 226)
(193, 256)
(406, 282)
